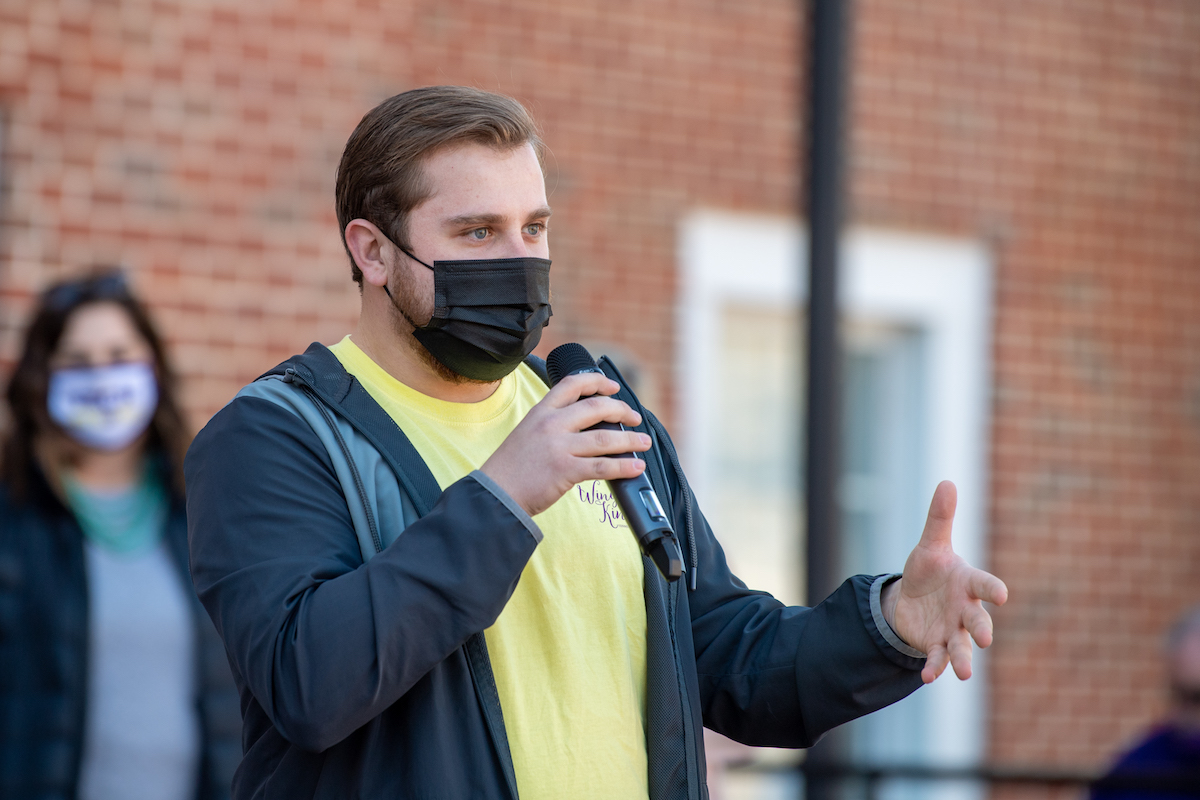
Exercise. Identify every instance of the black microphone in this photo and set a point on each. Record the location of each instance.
(635, 496)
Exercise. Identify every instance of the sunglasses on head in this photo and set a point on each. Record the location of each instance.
(108, 286)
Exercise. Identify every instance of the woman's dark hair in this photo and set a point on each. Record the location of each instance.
(27, 390)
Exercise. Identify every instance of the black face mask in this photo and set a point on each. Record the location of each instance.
(488, 314)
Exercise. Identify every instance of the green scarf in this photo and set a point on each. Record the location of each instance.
(126, 521)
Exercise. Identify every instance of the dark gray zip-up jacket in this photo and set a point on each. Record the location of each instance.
(351, 593)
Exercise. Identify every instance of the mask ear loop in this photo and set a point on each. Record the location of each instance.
(414, 258)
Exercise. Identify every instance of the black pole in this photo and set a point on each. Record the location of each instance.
(829, 28)
(830, 23)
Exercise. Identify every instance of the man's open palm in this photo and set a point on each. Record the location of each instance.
(938, 604)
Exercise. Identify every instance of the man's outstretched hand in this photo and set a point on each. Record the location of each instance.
(937, 607)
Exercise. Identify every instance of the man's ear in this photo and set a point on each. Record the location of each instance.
(370, 249)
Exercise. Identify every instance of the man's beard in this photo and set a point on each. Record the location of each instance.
(404, 322)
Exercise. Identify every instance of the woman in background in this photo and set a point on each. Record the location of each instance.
(113, 684)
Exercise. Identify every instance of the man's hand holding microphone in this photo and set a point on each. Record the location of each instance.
(576, 434)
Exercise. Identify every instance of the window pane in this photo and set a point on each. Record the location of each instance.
(758, 490)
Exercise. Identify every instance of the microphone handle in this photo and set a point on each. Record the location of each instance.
(645, 516)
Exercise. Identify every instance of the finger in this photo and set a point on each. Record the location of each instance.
(935, 661)
(960, 653)
(584, 384)
(609, 443)
(592, 410)
(607, 469)
(987, 587)
(941, 516)
(978, 623)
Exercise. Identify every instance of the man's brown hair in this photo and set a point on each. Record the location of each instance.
(380, 178)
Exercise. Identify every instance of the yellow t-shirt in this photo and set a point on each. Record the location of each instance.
(569, 649)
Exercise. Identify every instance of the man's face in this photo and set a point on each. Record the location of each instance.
(486, 203)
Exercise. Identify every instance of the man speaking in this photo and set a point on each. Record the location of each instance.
(416, 598)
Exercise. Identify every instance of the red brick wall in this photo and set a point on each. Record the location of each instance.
(650, 110)
(197, 142)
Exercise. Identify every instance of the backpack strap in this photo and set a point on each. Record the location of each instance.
(320, 371)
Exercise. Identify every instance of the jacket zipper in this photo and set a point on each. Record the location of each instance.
(665, 441)
(691, 760)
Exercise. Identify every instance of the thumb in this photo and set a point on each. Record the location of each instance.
(941, 516)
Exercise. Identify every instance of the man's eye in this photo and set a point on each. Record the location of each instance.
(479, 234)
(535, 228)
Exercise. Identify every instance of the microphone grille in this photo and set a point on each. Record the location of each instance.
(566, 359)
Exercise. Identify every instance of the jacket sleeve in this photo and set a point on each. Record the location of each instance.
(324, 642)
(780, 676)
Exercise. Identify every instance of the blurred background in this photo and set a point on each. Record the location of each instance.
(1020, 280)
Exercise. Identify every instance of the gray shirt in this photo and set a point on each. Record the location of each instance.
(142, 734)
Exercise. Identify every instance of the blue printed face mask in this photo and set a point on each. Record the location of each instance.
(105, 408)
